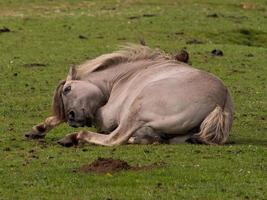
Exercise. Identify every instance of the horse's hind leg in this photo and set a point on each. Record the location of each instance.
(146, 135)
(185, 138)
(180, 139)
(40, 130)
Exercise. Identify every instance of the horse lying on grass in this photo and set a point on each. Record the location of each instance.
(141, 96)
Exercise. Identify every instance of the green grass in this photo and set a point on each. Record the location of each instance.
(48, 32)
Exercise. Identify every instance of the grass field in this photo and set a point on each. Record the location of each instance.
(39, 40)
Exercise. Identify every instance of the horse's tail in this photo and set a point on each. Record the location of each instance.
(216, 126)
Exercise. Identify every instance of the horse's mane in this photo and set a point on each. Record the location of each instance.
(127, 53)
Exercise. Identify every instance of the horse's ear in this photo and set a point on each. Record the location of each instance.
(72, 73)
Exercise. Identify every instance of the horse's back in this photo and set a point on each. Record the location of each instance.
(180, 82)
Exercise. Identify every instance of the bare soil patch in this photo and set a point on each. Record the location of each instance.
(4, 30)
(217, 52)
(110, 165)
(35, 65)
(194, 41)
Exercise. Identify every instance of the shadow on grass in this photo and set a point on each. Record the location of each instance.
(248, 141)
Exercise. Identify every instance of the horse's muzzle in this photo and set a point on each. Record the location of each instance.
(75, 124)
(88, 122)
(80, 123)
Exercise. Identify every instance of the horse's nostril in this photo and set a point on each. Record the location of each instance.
(71, 115)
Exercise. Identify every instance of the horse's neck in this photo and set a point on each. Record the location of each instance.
(107, 78)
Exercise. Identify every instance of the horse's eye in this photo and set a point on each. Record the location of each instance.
(67, 90)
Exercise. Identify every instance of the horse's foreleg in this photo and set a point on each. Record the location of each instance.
(117, 137)
(40, 130)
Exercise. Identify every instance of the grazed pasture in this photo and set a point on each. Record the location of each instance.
(39, 40)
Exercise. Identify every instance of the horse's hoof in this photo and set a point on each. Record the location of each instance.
(132, 140)
(68, 141)
(64, 143)
(31, 135)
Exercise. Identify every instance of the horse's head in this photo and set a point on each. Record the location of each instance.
(76, 101)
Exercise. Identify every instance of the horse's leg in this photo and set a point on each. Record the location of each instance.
(118, 136)
(40, 130)
(146, 135)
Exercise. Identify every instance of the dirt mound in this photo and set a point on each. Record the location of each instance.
(182, 56)
(110, 165)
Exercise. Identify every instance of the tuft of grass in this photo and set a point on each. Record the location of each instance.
(46, 37)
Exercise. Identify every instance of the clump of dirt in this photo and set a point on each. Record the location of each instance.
(35, 65)
(139, 16)
(217, 52)
(4, 30)
(182, 56)
(82, 37)
(7, 149)
(214, 15)
(194, 41)
(110, 165)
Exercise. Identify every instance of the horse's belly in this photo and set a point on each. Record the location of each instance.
(177, 105)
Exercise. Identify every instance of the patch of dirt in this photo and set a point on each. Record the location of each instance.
(214, 15)
(194, 41)
(40, 8)
(7, 149)
(121, 38)
(82, 37)
(149, 15)
(217, 52)
(133, 17)
(110, 165)
(4, 30)
(241, 36)
(100, 37)
(139, 16)
(35, 65)
(249, 55)
(179, 33)
(237, 71)
(248, 6)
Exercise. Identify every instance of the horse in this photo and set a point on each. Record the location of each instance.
(139, 95)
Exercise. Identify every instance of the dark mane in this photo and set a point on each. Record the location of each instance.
(58, 107)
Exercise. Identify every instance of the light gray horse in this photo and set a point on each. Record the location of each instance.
(141, 96)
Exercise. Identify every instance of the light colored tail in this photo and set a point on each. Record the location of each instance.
(216, 126)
